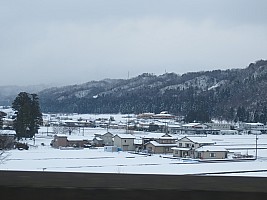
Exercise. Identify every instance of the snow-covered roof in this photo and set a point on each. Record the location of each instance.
(180, 149)
(156, 144)
(98, 138)
(125, 136)
(7, 132)
(199, 140)
(79, 138)
(191, 124)
(61, 135)
(154, 135)
(210, 148)
(174, 126)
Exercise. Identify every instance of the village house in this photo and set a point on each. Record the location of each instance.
(155, 147)
(211, 152)
(124, 141)
(159, 143)
(163, 115)
(187, 145)
(106, 137)
(195, 128)
(220, 126)
(69, 141)
(250, 127)
(97, 142)
(165, 138)
(174, 129)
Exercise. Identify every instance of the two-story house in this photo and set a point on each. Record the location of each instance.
(162, 144)
(124, 141)
(187, 145)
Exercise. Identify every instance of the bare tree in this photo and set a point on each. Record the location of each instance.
(6, 143)
(64, 129)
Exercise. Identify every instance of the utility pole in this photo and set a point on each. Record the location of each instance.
(256, 156)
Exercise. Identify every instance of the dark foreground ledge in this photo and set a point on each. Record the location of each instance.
(56, 185)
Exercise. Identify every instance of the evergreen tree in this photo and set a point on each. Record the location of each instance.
(199, 115)
(241, 114)
(28, 115)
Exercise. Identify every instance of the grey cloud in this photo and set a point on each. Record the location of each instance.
(77, 41)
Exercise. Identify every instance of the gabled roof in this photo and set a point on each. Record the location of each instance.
(156, 144)
(211, 148)
(191, 124)
(103, 133)
(78, 138)
(125, 136)
(181, 148)
(198, 140)
(153, 135)
(98, 139)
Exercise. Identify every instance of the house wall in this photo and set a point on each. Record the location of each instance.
(220, 126)
(126, 144)
(165, 141)
(158, 149)
(107, 138)
(117, 141)
(183, 154)
(76, 143)
(208, 155)
(185, 143)
(59, 142)
(98, 143)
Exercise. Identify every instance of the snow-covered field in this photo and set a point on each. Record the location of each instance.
(45, 158)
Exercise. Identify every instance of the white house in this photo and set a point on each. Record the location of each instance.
(124, 141)
(252, 126)
(194, 142)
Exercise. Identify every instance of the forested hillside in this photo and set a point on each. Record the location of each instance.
(236, 94)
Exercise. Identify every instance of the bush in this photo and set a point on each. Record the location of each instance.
(21, 146)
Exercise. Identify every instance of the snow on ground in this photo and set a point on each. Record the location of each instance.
(45, 158)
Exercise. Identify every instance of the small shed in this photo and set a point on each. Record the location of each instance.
(110, 148)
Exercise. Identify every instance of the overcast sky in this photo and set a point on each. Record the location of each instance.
(75, 41)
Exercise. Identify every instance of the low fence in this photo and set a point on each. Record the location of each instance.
(56, 185)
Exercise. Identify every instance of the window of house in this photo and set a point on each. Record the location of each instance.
(187, 145)
(212, 155)
(180, 144)
(125, 141)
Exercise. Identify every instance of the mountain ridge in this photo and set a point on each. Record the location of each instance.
(218, 92)
(223, 94)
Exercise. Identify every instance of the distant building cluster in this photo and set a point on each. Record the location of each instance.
(147, 133)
